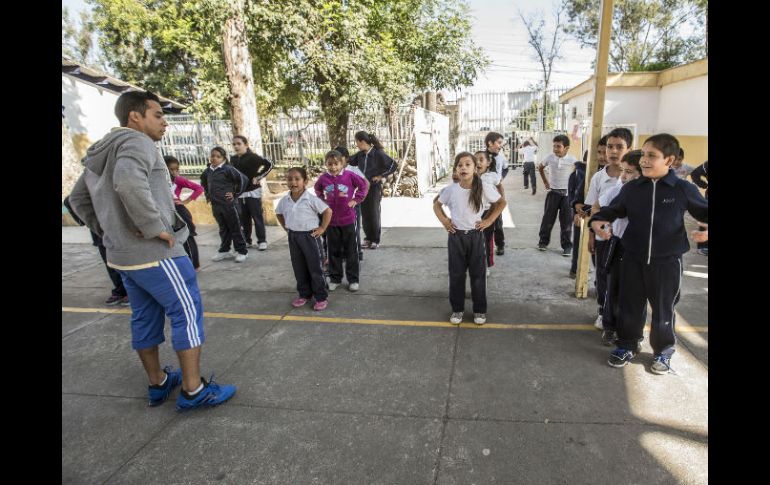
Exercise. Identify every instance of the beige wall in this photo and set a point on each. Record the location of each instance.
(696, 148)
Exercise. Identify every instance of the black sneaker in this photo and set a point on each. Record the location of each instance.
(620, 357)
(609, 337)
(566, 253)
(572, 275)
(500, 251)
(542, 247)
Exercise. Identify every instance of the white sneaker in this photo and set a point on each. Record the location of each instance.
(598, 323)
(487, 272)
(222, 256)
(333, 286)
(456, 318)
(241, 258)
(479, 318)
(353, 286)
(262, 246)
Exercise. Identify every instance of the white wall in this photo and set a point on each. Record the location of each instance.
(628, 106)
(684, 108)
(87, 109)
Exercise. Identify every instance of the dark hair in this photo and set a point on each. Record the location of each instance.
(681, 153)
(563, 139)
(623, 133)
(300, 170)
(632, 158)
(491, 137)
(133, 101)
(526, 143)
(474, 198)
(585, 156)
(245, 141)
(333, 154)
(221, 152)
(368, 138)
(343, 151)
(602, 141)
(170, 159)
(667, 144)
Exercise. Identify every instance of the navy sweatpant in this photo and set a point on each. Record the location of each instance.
(556, 202)
(306, 254)
(251, 209)
(467, 256)
(342, 245)
(229, 221)
(660, 283)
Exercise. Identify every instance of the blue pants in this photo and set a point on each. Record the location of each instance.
(168, 289)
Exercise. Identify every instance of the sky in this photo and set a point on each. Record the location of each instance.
(498, 29)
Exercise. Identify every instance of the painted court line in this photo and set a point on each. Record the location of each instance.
(402, 323)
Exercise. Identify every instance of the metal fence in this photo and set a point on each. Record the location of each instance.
(297, 138)
(515, 115)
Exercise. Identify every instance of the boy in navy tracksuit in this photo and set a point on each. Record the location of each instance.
(654, 242)
(223, 184)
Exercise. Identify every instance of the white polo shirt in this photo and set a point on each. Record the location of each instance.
(458, 201)
(560, 169)
(529, 153)
(618, 225)
(303, 214)
(493, 179)
(600, 183)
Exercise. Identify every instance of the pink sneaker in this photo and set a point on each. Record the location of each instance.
(320, 305)
(298, 302)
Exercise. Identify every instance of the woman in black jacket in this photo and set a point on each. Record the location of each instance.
(375, 165)
(255, 168)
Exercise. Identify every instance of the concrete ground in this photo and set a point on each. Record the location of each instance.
(379, 388)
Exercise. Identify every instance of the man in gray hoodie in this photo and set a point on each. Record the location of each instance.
(123, 196)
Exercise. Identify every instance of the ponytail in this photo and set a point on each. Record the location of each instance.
(474, 198)
(368, 138)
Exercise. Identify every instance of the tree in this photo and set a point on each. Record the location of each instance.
(240, 76)
(547, 48)
(646, 34)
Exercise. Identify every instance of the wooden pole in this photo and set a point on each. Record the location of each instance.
(597, 118)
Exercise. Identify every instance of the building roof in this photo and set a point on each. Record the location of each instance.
(102, 80)
(645, 79)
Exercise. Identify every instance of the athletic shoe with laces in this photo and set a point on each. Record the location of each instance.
(500, 251)
(566, 253)
(333, 286)
(298, 302)
(124, 301)
(158, 394)
(542, 247)
(262, 246)
(353, 287)
(113, 300)
(620, 357)
(222, 256)
(456, 318)
(374, 245)
(320, 305)
(661, 364)
(211, 395)
(598, 323)
(479, 318)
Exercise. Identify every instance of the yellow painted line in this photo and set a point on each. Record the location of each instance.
(401, 323)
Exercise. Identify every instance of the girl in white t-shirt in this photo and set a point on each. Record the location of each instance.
(465, 244)
(489, 174)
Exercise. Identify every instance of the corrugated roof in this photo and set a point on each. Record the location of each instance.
(103, 80)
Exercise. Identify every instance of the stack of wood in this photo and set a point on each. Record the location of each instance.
(407, 186)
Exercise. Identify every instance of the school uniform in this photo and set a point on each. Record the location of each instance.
(556, 201)
(252, 165)
(306, 251)
(500, 163)
(610, 263)
(653, 242)
(492, 178)
(574, 185)
(372, 163)
(600, 183)
(337, 192)
(465, 247)
(217, 181)
(358, 172)
(529, 167)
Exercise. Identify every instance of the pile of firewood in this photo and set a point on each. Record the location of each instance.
(407, 186)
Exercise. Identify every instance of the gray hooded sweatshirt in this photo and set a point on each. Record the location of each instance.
(123, 190)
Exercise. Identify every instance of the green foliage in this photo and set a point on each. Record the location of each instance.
(646, 34)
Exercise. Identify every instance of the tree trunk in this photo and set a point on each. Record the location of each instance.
(240, 77)
(430, 99)
(391, 114)
(336, 120)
